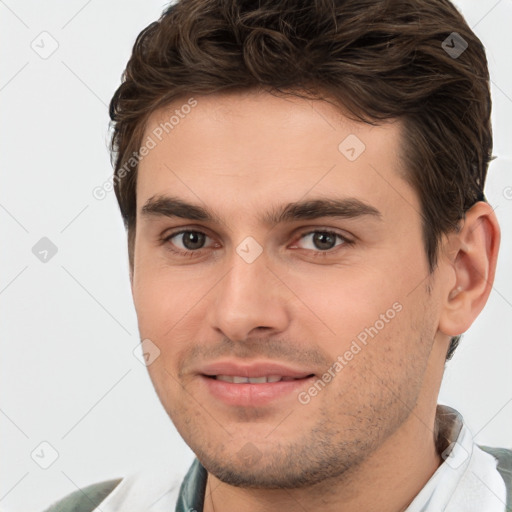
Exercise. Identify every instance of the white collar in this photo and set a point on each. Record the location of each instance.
(467, 480)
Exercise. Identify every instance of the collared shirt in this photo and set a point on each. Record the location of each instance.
(467, 480)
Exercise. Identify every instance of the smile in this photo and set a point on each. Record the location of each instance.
(235, 379)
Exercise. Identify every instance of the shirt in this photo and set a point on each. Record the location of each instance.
(467, 480)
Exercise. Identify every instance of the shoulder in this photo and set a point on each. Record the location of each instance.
(150, 489)
(503, 458)
(86, 499)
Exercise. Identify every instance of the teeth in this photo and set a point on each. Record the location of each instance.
(257, 380)
(252, 380)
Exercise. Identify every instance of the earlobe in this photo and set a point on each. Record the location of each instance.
(474, 264)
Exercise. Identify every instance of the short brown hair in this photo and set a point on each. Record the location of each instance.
(378, 59)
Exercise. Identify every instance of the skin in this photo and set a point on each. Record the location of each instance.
(366, 439)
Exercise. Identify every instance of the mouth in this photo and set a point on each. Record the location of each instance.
(236, 379)
(237, 390)
(255, 384)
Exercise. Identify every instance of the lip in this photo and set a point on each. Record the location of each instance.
(249, 394)
(254, 369)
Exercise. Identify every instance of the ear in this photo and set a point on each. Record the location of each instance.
(473, 257)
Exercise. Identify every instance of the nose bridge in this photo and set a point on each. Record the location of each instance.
(249, 295)
(247, 278)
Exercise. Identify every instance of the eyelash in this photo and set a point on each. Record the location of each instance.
(198, 252)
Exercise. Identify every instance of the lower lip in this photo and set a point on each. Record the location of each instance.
(248, 394)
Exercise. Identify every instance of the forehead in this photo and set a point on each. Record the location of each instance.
(255, 147)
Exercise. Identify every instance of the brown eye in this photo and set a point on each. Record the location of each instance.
(187, 241)
(193, 240)
(323, 240)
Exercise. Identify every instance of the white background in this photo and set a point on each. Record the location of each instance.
(68, 327)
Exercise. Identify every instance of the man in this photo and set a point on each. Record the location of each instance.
(302, 186)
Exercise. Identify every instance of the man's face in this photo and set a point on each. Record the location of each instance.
(305, 295)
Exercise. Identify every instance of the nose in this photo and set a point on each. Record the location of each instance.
(249, 300)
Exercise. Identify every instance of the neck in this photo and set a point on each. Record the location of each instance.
(387, 481)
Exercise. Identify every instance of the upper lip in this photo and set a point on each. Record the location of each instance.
(254, 369)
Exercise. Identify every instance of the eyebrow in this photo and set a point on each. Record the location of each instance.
(347, 208)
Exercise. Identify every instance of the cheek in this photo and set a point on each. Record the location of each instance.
(374, 322)
(346, 302)
(160, 297)
(170, 313)
(384, 364)
(149, 303)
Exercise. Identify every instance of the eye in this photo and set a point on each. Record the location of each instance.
(191, 241)
(323, 241)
